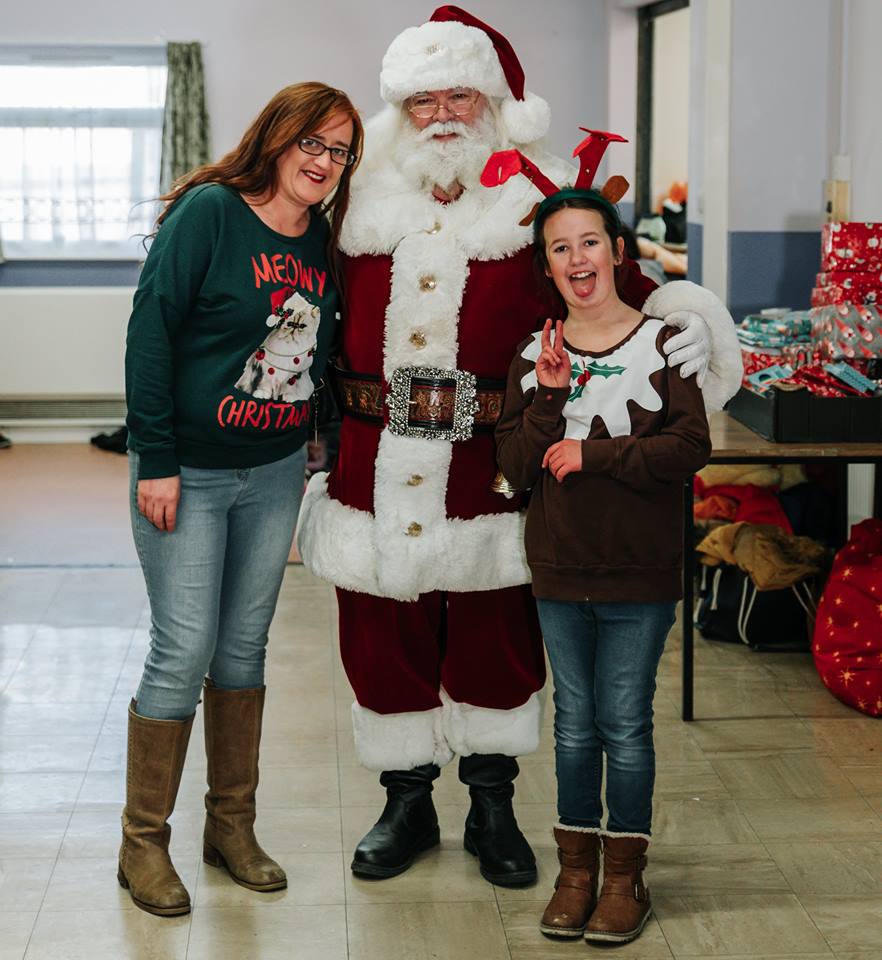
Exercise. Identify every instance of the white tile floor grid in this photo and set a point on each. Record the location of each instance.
(768, 825)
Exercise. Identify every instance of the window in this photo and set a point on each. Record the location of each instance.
(80, 143)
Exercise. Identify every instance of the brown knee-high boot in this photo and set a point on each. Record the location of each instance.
(233, 720)
(156, 754)
(624, 905)
(575, 890)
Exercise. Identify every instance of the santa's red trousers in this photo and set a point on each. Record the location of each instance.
(483, 648)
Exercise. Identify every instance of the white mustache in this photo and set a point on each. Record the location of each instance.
(441, 129)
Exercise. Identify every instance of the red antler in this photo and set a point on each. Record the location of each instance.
(506, 163)
(590, 152)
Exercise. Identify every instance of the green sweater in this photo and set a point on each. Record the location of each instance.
(230, 330)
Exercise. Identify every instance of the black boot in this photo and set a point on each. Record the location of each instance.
(407, 825)
(491, 832)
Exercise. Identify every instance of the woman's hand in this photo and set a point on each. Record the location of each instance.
(553, 365)
(158, 501)
(563, 457)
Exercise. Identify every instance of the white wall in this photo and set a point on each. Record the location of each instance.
(864, 113)
(622, 44)
(780, 146)
(716, 22)
(697, 74)
(61, 342)
(670, 103)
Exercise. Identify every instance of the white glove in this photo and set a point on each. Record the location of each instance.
(691, 349)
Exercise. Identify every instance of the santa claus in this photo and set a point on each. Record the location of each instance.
(438, 630)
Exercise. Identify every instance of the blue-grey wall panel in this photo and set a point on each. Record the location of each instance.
(771, 269)
(626, 212)
(694, 240)
(69, 273)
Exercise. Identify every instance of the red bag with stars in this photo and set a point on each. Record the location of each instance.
(848, 631)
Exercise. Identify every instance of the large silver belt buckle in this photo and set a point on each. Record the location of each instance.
(400, 402)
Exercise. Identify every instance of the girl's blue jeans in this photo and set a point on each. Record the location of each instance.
(604, 658)
(213, 583)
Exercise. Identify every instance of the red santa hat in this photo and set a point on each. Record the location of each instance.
(455, 49)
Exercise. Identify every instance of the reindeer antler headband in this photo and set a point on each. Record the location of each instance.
(506, 163)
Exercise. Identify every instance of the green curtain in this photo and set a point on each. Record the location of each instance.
(185, 133)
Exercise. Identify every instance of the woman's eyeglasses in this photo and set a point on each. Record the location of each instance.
(459, 102)
(315, 148)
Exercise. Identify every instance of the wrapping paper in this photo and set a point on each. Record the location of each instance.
(847, 331)
(851, 246)
(832, 294)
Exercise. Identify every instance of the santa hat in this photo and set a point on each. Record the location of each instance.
(455, 49)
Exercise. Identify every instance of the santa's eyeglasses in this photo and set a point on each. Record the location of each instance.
(315, 148)
(460, 102)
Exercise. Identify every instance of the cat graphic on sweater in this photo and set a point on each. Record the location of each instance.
(279, 368)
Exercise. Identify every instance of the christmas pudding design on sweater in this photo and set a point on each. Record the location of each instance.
(601, 386)
(275, 370)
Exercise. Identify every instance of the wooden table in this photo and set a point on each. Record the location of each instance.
(732, 442)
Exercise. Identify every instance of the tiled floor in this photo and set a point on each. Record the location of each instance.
(768, 816)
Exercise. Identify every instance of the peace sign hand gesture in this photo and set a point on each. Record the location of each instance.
(553, 367)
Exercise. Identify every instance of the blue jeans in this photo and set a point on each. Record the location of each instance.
(604, 657)
(213, 583)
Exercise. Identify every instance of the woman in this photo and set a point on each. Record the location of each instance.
(230, 331)
(605, 433)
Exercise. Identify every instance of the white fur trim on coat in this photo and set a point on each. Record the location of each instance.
(343, 545)
(470, 729)
(399, 741)
(725, 369)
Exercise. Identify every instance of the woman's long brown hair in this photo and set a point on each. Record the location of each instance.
(294, 112)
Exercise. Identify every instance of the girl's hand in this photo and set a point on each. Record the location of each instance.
(563, 457)
(553, 366)
(158, 501)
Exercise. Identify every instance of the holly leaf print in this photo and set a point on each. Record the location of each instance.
(603, 370)
(581, 376)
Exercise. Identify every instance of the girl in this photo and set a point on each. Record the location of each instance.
(605, 434)
(230, 330)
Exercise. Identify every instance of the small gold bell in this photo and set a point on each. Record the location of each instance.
(501, 485)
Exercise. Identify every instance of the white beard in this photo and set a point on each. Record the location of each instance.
(428, 163)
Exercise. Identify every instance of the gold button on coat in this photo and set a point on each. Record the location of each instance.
(414, 530)
(428, 283)
(418, 339)
(435, 229)
(414, 480)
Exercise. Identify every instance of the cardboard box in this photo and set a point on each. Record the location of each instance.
(798, 416)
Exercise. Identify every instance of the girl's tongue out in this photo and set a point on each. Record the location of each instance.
(583, 282)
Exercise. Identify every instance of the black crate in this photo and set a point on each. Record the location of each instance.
(799, 416)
